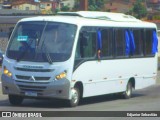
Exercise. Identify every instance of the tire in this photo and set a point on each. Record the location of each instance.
(75, 97)
(128, 93)
(15, 99)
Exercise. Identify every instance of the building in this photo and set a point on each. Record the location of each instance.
(153, 5)
(6, 4)
(46, 4)
(25, 5)
(119, 5)
(154, 1)
(69, 3)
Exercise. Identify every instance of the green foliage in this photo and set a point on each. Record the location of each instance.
(156, 17)
(65, 8)
(95, 5)
(139, 10)
(57, 10)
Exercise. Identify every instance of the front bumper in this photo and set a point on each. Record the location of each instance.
(54, 89)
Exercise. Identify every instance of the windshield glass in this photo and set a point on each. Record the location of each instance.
(42, 41)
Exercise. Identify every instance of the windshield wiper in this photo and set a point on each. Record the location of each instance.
(49, 58)
(40, 44)
(46, 53)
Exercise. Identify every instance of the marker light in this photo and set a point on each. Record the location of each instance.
(60, 76)
(7, 72)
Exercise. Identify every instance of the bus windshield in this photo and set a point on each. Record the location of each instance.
(41, 41)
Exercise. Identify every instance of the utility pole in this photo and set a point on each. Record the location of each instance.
(84, 5)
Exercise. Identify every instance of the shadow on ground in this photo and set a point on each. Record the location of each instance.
(55, 103)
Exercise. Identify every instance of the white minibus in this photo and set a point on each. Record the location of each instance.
(75, 55)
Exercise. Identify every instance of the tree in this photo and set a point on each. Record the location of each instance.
(139, 10)
(65, 8)
(95, 5)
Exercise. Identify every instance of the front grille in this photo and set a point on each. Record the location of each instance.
(42, 78)
(23, 77)
(30, 78)
(34, 70)
(24, 88)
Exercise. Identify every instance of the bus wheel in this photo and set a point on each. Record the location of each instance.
(75, 97)
(15, 99)
(128, 92)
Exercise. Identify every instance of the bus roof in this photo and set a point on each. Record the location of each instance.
(102, 15)
(95, 19)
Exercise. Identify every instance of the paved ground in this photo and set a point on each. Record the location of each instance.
(143, 100)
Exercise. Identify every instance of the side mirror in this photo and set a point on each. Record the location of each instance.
(99, 43)
(99, 55)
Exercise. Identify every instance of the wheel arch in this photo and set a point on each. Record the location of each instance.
(79, 85)
(133, 82)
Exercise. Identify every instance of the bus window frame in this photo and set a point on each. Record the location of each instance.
(147, 55)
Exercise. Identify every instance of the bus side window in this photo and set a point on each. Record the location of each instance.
(82, 42)
(107, 43)
(90, 47)
(148, 42)
(139, 41)
(86, 46)
(120, 44)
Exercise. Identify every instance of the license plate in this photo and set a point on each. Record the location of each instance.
(32, 94)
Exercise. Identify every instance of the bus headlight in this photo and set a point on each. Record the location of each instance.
(7, 72)
(61, 76)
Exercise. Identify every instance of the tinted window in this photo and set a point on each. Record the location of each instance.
(107, 40)
(139, 41)
(120, 44)
(148, 42)
(86, 47)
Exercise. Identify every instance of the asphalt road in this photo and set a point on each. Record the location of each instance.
(147, 99)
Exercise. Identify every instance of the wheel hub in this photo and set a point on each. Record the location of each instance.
(128, 92)
(74, 96)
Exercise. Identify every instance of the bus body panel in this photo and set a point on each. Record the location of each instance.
(111, 76)
(44, 84)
